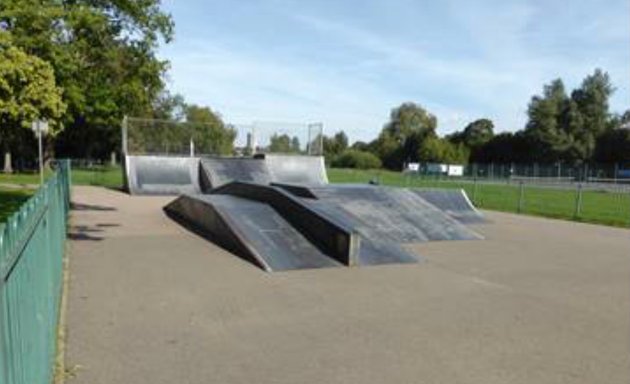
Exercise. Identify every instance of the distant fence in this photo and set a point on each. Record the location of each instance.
(611, 172)
(31, 257)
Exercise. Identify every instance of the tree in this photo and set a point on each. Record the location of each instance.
(280, 143)
(613, 146)
(335, 145)
(400, 139)
(352, 158)
(438, 150)
(27, 92)
(544, 126)
(295, 144)
(103, 56)
(507, 147)
(168, 107)
(210, 134)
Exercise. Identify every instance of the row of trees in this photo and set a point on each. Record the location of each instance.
(571, 128)
(83, 65)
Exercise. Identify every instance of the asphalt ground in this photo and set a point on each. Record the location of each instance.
(537, 301)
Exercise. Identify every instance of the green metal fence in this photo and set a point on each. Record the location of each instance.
(31, 258)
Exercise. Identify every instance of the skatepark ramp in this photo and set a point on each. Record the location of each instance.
(351, 225)
(161, 175)
(169, 175)
(249, 229)
(454, 202)
(218, 171)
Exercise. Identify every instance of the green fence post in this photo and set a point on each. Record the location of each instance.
(474, 196)
(578, 202)
(521, 196)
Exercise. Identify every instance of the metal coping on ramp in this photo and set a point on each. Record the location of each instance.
(454, 202)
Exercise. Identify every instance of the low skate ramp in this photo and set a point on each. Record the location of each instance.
(251, 230)
(215, 172)
(454, 202)
(397, 214)
(161, 175)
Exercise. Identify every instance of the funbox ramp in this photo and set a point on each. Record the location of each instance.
(277, 228)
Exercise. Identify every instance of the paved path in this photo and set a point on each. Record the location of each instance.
(539, 301)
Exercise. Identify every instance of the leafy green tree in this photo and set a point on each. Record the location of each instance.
(103, 56)
(335, 145)
(544, 126)
(210, 134)
(402, 136)
(352, 158)
(280, 143)
(295, 144)
(27, 92)
(438, 150)
(168, 107)
(613, 146)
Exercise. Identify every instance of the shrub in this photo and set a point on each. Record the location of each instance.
(352, 158)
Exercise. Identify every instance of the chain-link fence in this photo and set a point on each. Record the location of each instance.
(163, 137)
(587, 172)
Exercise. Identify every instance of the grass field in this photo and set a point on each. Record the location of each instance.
(11, 200)
(610, 208)
(110, 177)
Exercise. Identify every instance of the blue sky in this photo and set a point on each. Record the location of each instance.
(347, 63)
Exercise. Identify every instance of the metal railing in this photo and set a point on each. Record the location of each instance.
(31, 262)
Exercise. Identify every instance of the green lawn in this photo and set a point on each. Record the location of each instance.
(11, 200)
(110, 177)
(597, 207)
(610, 208)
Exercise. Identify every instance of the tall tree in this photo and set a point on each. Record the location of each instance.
(210, 134)
(27, 92)
(402, 136)
(103, 56)
(544, 126)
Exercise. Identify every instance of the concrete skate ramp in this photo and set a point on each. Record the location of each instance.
(217, 171)
(397, 214)
(251, 230)
(308, 170)
(161, 175)
(454, 202)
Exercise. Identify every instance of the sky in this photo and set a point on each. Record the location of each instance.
(348, 63)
